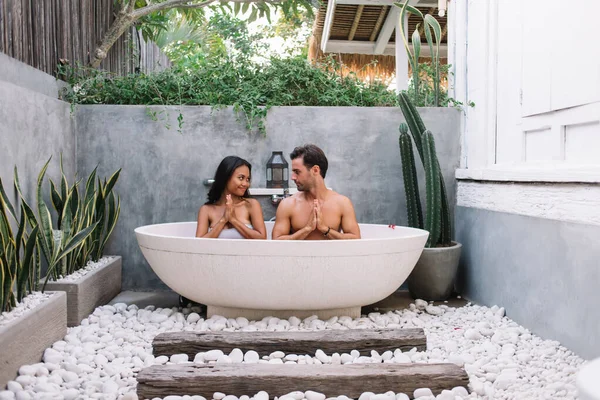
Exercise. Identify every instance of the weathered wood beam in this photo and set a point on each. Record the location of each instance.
(330, 341)
(366, 47)
(414, 3)
(329, 16)
(378, 23)
(357, 16)
(332, 380)
(386, 31)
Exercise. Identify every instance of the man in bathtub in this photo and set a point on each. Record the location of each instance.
(314, 212)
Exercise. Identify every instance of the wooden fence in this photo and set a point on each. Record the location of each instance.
(44, 33)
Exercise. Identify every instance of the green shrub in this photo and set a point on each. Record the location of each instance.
(250, 87)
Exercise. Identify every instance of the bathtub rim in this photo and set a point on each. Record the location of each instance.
(394, 244)
(417, 233)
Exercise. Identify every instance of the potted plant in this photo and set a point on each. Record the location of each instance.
(91, 217)
(433, 276)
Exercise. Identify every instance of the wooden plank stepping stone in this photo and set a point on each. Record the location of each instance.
(332, 380)
(296, 342)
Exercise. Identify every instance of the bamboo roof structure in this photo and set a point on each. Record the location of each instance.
(361, 35)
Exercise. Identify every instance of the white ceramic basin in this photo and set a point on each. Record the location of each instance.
(256, 278)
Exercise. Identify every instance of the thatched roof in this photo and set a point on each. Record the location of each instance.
(360, 23)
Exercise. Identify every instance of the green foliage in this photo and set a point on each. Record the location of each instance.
(437, 216)
(19, 261)
(250, 87)
(429, 24)
(153, 24)
(84, 225)
(90, 218)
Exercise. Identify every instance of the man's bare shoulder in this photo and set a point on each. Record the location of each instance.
(290, 201)
(340, 198)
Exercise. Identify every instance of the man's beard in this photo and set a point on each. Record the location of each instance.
(301, 187)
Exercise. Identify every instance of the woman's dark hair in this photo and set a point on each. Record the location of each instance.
(311, 155)
(222, 175)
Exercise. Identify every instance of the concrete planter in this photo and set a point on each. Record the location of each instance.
(587, 381)
(24, 339)
(433, 276)
(90, 291)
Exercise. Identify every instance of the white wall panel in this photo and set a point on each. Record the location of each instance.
(582, 143)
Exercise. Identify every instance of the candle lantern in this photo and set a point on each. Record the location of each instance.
(277, 171)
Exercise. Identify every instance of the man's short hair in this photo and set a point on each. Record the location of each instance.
(311, 155)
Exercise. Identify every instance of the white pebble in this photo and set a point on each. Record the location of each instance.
(310, 395)
(251, 357)
(422, 392)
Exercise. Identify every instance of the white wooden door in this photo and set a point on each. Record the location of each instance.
(548, 96)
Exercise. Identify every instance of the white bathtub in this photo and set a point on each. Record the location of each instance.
(258, 278)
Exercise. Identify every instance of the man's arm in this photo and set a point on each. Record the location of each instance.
(282, 227)
(350, 229)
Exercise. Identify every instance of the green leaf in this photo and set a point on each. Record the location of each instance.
(416, 43)
(27, 264)
(30, 215)
(6, 234)
(435, 25)
(410, 9)
(4, 197)
(111, 222)
(89, 185)
(46, 239)
(57, 202)
(253, 15)
(404, 7)
(67, 220)
(111, 183)
(76, 241)
(21, 232)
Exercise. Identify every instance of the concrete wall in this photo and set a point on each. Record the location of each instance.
(34, 126)
(544, 272)
(163, 170)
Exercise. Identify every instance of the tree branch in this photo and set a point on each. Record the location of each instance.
(130, 6)
(165, 5)
(128, 15)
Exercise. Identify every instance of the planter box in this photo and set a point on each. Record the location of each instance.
(24, 339)
(90, 291)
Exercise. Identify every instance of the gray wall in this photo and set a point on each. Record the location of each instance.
(163, 169)
(34, 125)
(21, 74)
(549, 283)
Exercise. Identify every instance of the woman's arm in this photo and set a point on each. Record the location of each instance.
(258, 231)
(204, 222)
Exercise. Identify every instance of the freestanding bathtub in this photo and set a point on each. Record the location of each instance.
(258, 278)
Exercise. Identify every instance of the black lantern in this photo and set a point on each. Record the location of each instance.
(277, 171)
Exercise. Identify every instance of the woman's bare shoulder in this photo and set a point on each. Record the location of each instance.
(206, 208)
(251, 202)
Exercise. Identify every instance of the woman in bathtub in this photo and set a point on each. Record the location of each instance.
(229, 213)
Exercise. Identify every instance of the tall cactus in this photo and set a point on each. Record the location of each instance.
(433, 220)
(411, 185)
(417, 130)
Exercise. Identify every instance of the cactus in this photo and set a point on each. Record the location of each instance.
(437, 218)
(433, 220)
(411, 186)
